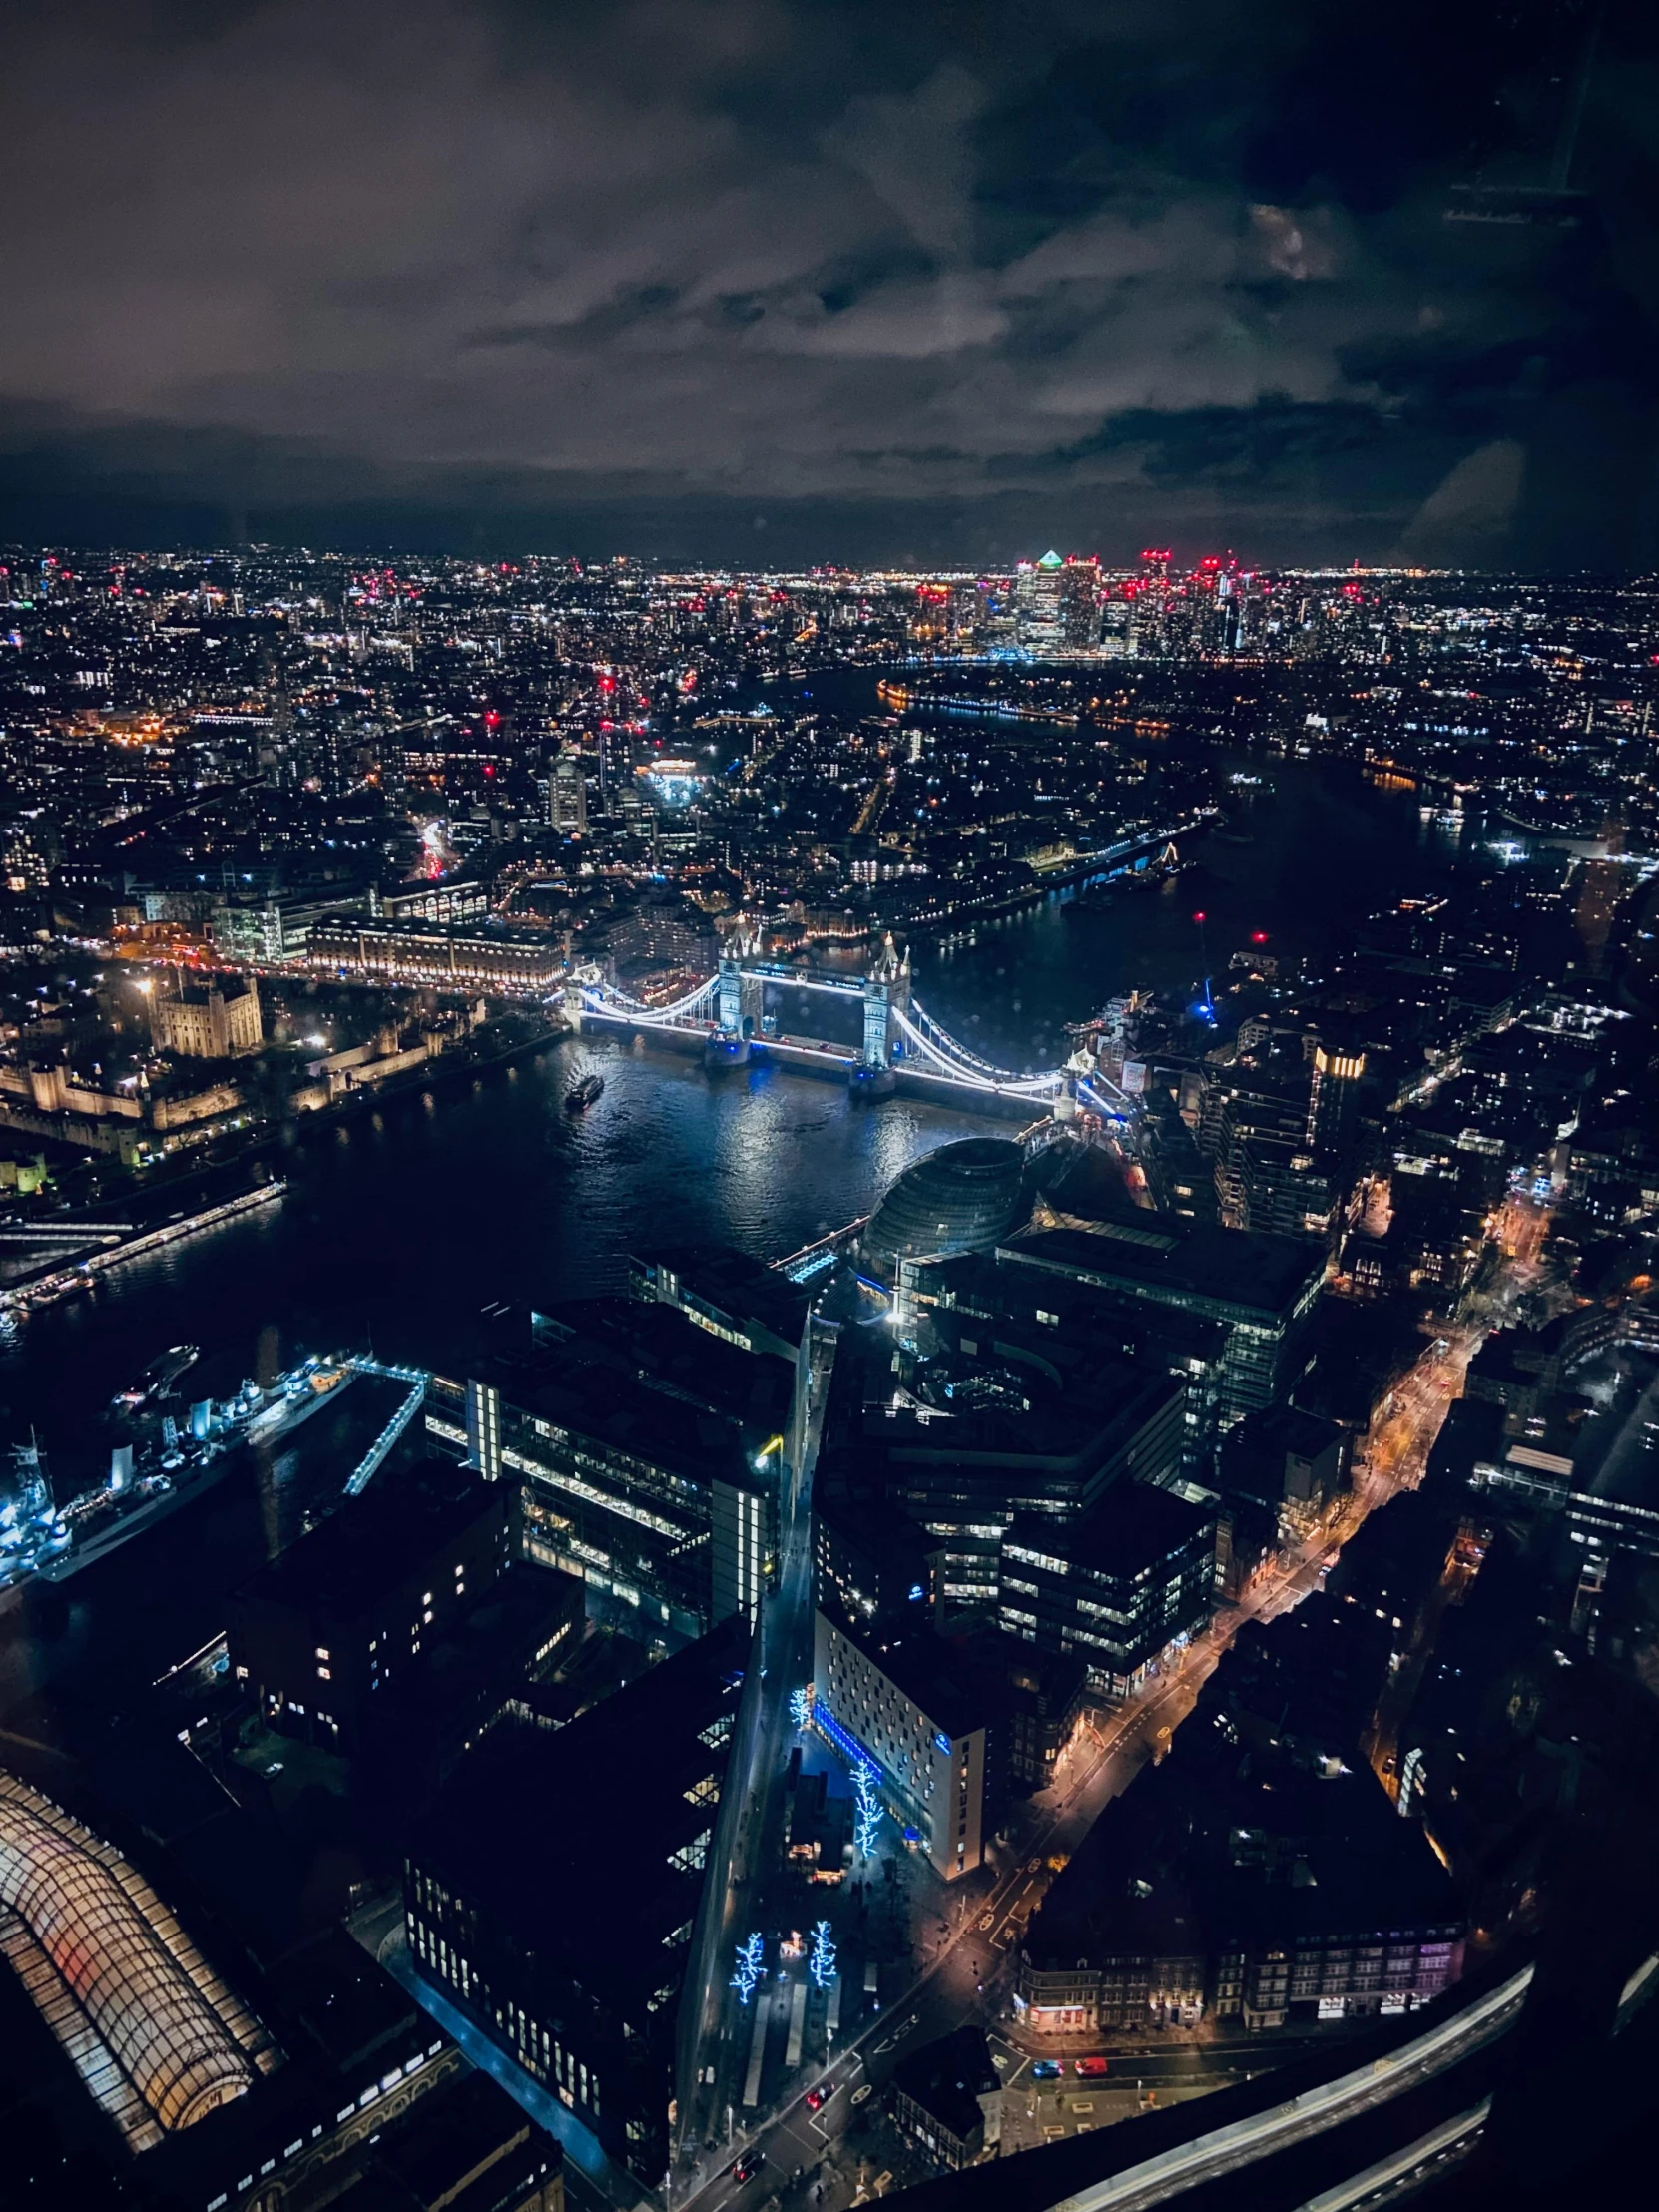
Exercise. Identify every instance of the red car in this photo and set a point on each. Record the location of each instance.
(1089, 2069)
(814, 2098)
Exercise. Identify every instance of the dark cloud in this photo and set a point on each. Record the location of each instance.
(895, 282)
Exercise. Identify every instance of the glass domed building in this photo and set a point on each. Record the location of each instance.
(965, 1197)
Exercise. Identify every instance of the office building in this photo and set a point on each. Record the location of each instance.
(871, 1563)
(1261, 1288)
(963, 1428)
(1043, 1697)
(559, 1920)
(273, 933)
(1291, 1462)
(1081, 605)
(1253, 1878)
(1039, 604)
(1116, 1943)
(453, 898)
(963, 1197)
(335, 1625)
(462, 958)
(648, 1454)
(967, 1304)
(726, 1293)
(1124, 1589)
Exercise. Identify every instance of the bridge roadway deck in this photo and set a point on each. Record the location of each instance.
(833, 1063)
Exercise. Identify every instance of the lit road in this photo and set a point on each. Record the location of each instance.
(748, 1837)
(963, 1976)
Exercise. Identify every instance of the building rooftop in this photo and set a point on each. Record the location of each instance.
(1172, 1257)
(945, 1681)
(947, 2079)
(370, 1546)
(564, 1837)
(730, 1287)
(1132, 1528)
(651, 1383)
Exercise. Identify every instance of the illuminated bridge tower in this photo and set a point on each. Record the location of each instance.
(886, 992)
(729, 996)
(736, 1000)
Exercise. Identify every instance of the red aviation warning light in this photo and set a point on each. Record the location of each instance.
(1258, 936)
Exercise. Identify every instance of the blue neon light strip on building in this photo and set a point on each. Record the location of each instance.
(842, 1738)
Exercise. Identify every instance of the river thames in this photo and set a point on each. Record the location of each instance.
(398, 1230)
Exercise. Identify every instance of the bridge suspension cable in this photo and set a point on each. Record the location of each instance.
(980, 1077)
(935, 1035)
(606, 994)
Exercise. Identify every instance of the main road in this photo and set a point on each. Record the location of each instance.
(745, 1846)
(960, 1980)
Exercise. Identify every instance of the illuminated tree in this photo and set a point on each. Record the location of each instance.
(868, 1820)
(822, 1966)
(750, 1964)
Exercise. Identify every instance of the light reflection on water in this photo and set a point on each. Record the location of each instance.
(402, 1233)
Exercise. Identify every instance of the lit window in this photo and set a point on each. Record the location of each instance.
(323, 1653)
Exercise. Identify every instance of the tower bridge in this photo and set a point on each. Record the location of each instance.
(899, 1044)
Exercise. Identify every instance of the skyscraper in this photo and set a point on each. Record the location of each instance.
(1038, 603)
(1080, 604)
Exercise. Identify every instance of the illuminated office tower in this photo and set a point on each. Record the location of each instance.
(1038, 604)
(1080, 604)
(1333, 1101)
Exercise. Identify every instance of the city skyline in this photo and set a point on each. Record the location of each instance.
(828, 1155)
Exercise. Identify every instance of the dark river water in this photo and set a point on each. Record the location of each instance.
(400, 1229)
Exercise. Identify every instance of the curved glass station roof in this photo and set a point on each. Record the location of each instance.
(155, 2035)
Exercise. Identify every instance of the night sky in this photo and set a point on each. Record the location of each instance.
(778, 280)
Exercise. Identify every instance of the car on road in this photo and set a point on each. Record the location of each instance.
(1088, 2070)
(746, 2167)
(814, 2098)
(1047, 2069)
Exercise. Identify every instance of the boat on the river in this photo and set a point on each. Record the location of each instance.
(159, 1375)
(582, 1095)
